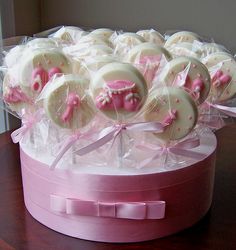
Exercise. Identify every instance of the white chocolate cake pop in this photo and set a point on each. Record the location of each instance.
(43, 43)
(190, 74)
(105, 32)
(66, 102)
(69, 34)
(174, 108)
(147, 57)
(222, 68)
(182, 36)
(38, 66)
(126, 41)
(119, 90)
(152, 36)
(92, 39)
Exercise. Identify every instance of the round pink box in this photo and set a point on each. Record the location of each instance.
(120, 208)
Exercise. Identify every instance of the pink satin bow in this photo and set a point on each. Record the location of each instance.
(28, 120)
(111, 133)
(126, 210)
(181, 148)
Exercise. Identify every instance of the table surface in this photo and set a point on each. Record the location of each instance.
(217, 230)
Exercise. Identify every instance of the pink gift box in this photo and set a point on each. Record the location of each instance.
(119, 208)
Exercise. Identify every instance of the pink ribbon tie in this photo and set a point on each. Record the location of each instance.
(111, 133)
(124, 210)
(181, 148)
(27, 123)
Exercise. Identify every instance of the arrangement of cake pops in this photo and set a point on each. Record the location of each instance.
(131, 111)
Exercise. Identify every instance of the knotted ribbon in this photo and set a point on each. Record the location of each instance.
(111, 133)
(182, 148)
(126, 210)
(28, 121)
(69, 142)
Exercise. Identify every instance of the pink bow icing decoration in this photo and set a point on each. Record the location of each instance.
(16, 95)
(111, 133)
(28, 121)
(149, 66)
(170, 118)
(193, 87)
(40, 77)
(182, 148)
(220, 79)
(72, 102)
(119, 94)
(139, 210)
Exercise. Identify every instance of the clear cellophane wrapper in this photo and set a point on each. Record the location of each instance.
(127, 149)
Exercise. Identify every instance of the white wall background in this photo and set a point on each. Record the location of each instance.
(211, 18)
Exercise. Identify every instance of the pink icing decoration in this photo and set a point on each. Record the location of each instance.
(15, 95)
(72, 102)
(220, 79)
(150, 66)
(53, 71)
(168, 120)
(119, 94)
(198, 85)
(150, 59)
(39, 79)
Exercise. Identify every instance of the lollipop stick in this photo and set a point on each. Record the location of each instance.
(120, 149)
(73, 155)
(32, 137)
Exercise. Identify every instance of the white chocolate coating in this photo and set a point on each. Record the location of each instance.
(186, 72)
(152, 36)
(171, 100)
(84, 50)
(56, 102)
(13, 56)
(92, 39)
(128, 38)
(126, 41)
(210, 48)
(185, 49)
(182, 36)
(70, 34)
(223, 86)
(43, 43)
(105, 32)
(147, 49)
(134, 95)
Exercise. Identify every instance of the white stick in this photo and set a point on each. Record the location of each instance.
(120, 149)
